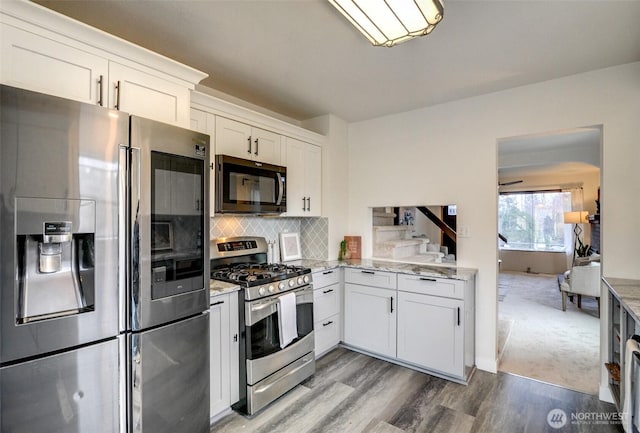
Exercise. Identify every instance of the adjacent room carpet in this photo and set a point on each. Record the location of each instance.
(536, 339)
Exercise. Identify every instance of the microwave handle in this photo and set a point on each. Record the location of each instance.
(280, 189)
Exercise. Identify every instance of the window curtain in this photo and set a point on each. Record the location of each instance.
(577, 204)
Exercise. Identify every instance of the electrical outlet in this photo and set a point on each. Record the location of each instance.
(464, 231)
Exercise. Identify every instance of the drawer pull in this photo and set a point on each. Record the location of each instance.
(328, 291)
(328, 323)
(368, 272)
(327, 272)
(428, 279)
(217, 303)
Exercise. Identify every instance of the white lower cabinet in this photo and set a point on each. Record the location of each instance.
(327, 295)
(370, 318)
(422, 322)
(430, 332)
(223, 316)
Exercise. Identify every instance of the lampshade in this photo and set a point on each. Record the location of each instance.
(391, 22)
(577, 217)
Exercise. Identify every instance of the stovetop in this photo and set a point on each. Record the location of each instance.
(252, 274)
(242, 261)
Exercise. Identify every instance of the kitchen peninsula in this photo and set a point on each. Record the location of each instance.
(419, 316)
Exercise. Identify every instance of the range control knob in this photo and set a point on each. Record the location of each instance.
(272, 289)
(261, 291)
(306, 279)
(281, 286)
(299, 280)
(292, 282)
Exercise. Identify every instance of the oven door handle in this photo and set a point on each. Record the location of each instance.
(274, 300)
(256, 311)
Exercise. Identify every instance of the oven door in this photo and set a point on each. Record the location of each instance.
(245, 186)
(262, 323)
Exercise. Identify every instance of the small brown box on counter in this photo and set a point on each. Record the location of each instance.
(354, 246)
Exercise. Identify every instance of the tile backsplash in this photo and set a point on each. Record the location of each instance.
(313, 231)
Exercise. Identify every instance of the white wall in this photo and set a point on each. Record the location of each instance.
(448, 154)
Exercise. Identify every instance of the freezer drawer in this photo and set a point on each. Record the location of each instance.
(170, 374)
(70, 392)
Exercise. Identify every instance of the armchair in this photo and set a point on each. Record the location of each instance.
(582, 281)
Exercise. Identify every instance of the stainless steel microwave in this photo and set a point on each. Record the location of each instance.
(245, 186)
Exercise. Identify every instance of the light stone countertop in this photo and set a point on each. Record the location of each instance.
(628, 292)
(438, 271)
(217, 288)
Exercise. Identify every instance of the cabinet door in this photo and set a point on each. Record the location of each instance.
(234, 348)
(313, 179)
(219, 354)
(204, 122)
(430, 332)
(326, 301)
(296, 194)
(266, 146)
(233, 138)
(326, 334)
(146, 95)
(36, 63)
(370, 319)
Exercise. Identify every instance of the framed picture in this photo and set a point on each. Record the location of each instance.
(290, 246)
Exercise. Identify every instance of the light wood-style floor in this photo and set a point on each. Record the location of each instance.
(352, 392)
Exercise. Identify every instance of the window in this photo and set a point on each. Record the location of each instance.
(534, 220)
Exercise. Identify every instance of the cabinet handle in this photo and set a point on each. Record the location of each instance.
(328, 323)
(327, 272)
(117, 104)
(100, 103)
(249, 149)
(304, 204)
(256, 142)
(458, 316)
(392, 304)
(328, 291)
(197, 204)
(428, 279)
(309, 204)
(235, 338)
(368, 272)
(217, 303)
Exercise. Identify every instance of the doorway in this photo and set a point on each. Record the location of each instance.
(536, 338)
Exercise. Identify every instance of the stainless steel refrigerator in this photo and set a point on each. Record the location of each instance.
(103, 270)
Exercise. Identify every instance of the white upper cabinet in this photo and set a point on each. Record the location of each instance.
(304, 178)
(204, 122)
(49, 53)
(147, 95)
(35, 63)
(244, 141)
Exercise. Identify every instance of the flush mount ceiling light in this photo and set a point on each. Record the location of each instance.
(390, 22)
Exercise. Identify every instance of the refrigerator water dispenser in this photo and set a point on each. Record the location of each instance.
(55, 248)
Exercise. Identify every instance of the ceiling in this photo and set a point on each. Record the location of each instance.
(301, 58)
(569, 153)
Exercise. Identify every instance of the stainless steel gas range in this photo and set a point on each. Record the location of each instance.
(276, 319)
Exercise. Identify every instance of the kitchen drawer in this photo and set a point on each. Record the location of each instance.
(385, 280)
(326, 334)
(326, 301)
(325, 278)
(431, 286)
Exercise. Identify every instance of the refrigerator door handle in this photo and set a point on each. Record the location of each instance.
(133, 239)
(123, 212)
